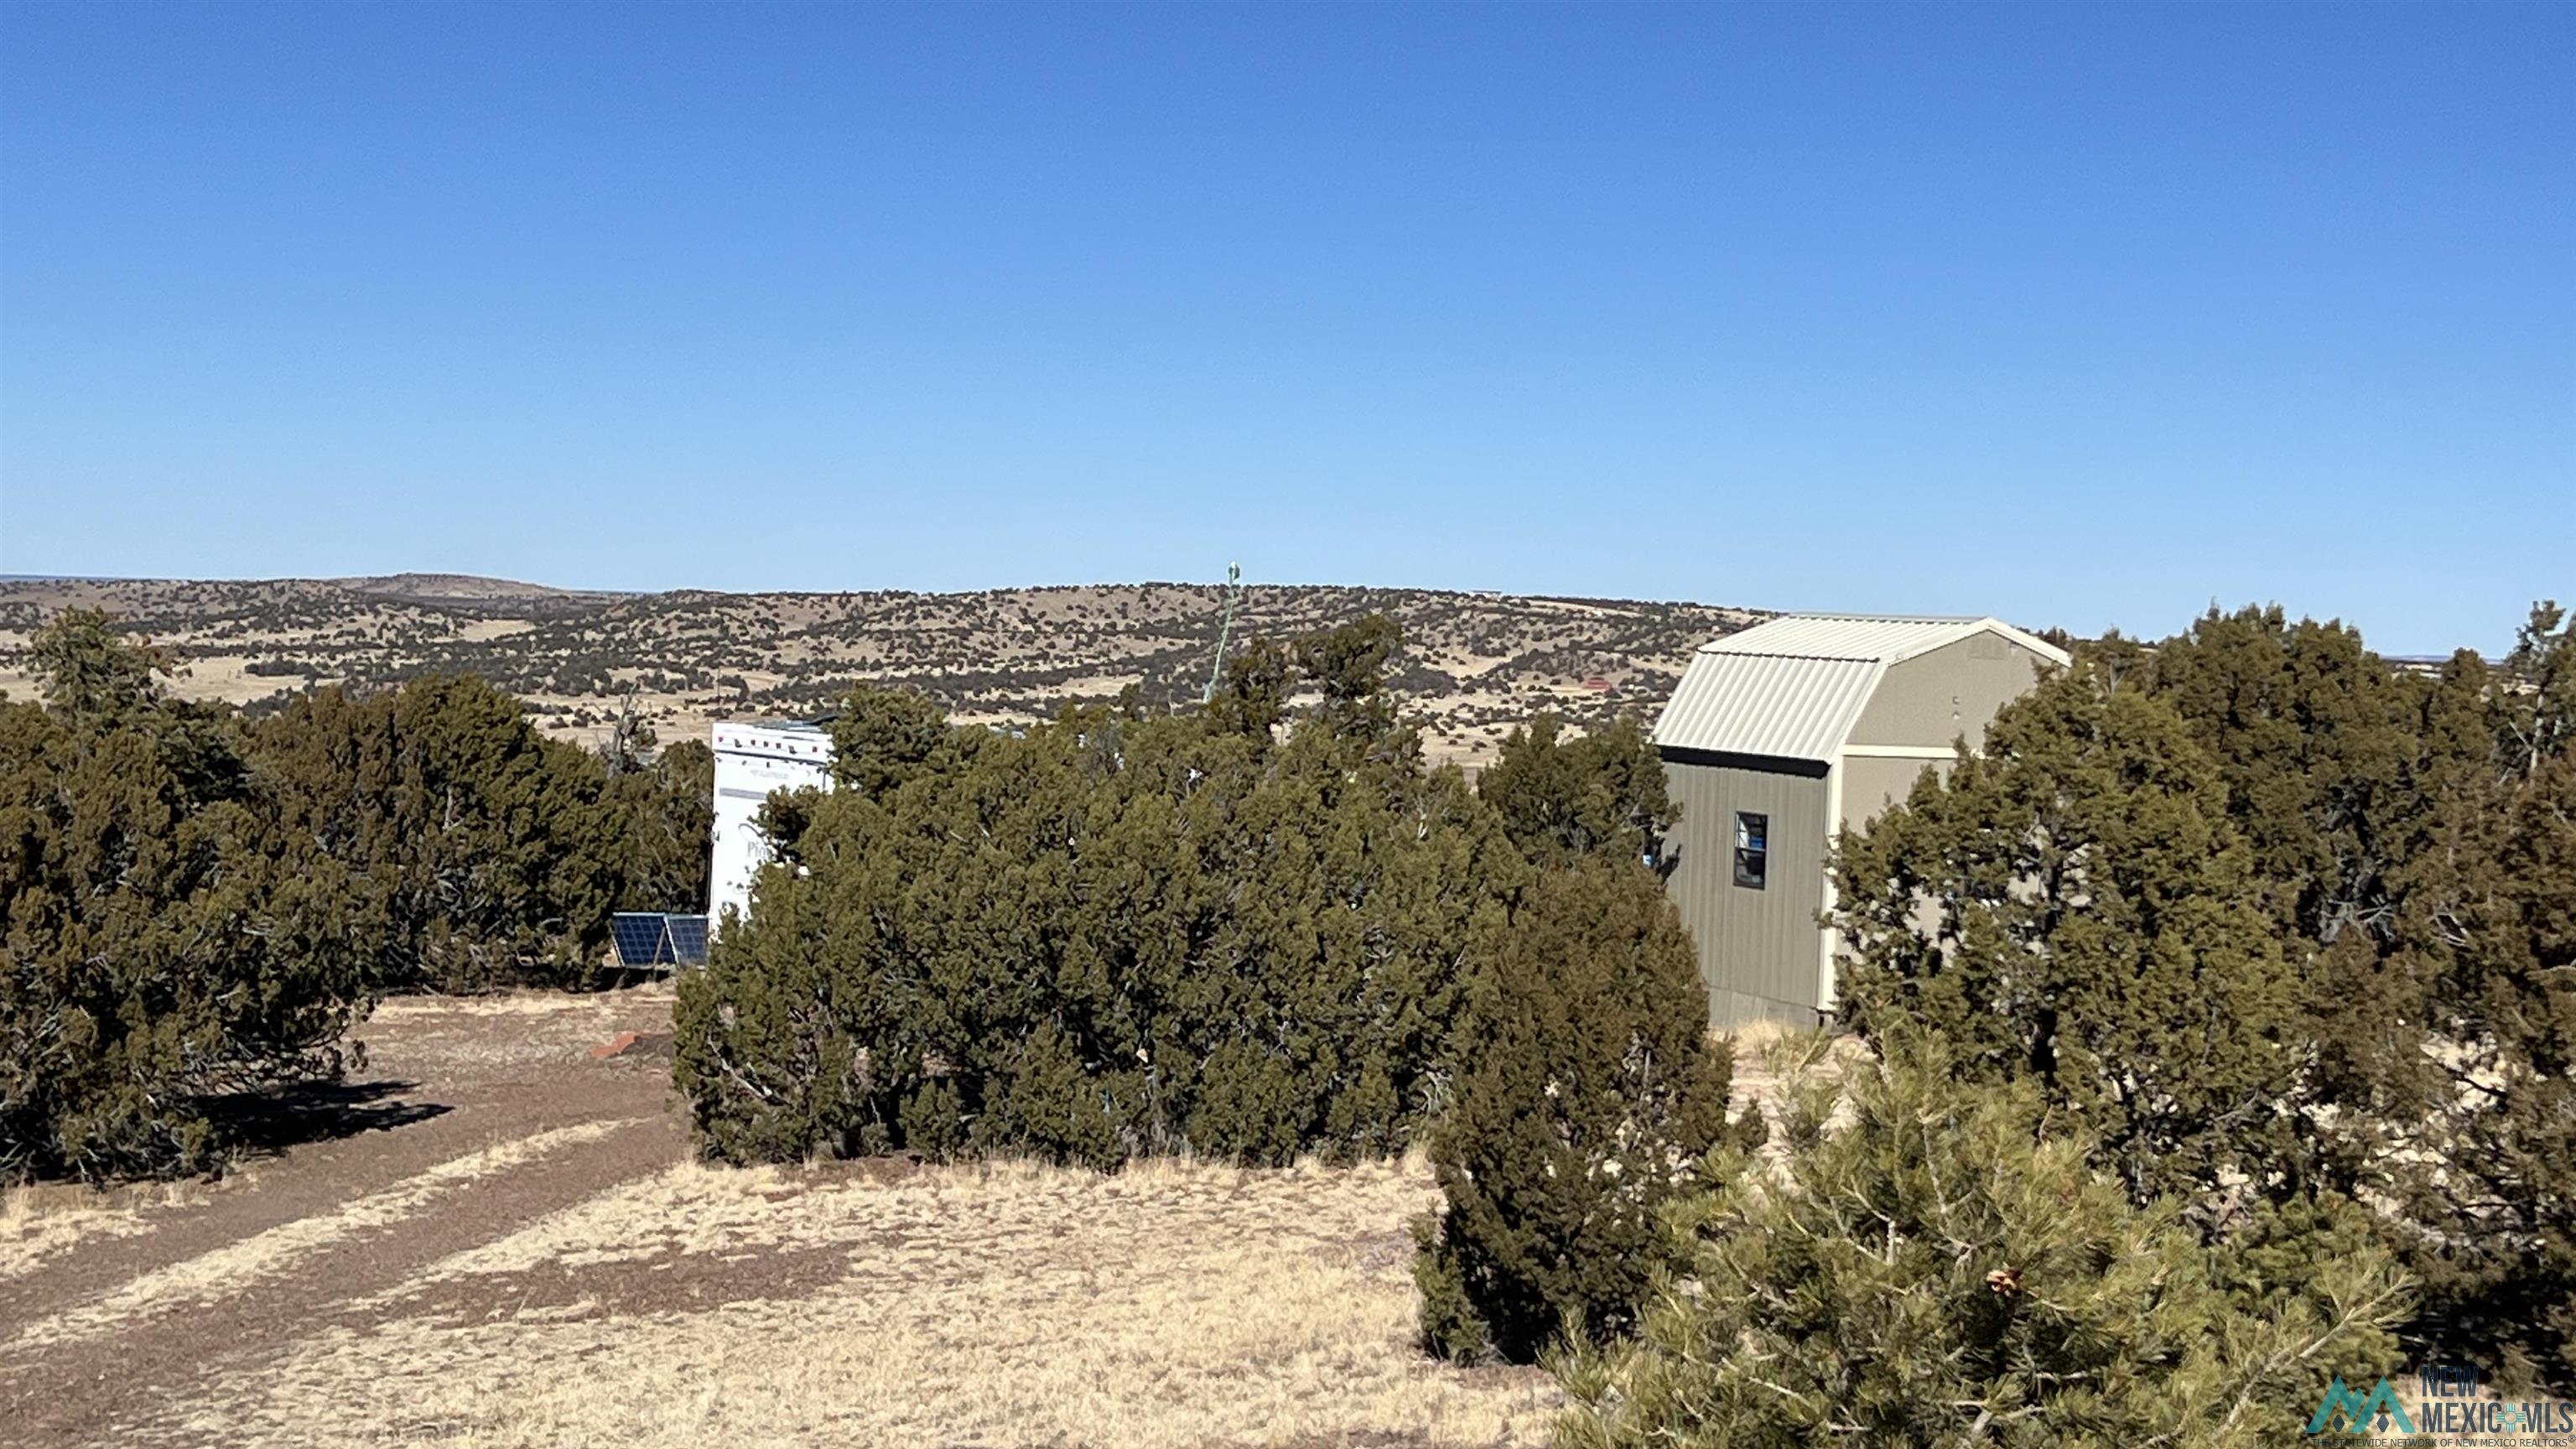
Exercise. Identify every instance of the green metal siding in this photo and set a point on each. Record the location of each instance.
(1759, 950)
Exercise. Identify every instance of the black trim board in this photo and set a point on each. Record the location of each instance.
(1731, 760)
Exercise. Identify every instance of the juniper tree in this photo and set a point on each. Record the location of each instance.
(1945, 1266)
(659, 820)
(1106, 936)
(1598, 794)
(2475, 1106)
(2410, 832)
(1348, 664)
(167, 936)
(1254, 700)
(1591, 1093)
(882, 737)
(2075, 907)
(2318, 743)
(484, 854)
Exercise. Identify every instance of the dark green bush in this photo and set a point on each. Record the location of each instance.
(1946, 1266)
(1601, 794)
(2459, 1041)
(2076, 906)
(1592, 1091)
(484, 854)
(2279, 925)
(167, 935)
(1107, 936)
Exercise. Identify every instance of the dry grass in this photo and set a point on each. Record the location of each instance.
(209, 1277)
(1171, 1305)
(426, 1012)
(491, 1033)
(37, 1222)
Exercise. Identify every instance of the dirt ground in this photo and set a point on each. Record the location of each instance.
(490, 1237)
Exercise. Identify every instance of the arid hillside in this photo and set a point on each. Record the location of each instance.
(1473, 664)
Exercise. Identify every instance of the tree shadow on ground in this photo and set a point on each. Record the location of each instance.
(282, 1117)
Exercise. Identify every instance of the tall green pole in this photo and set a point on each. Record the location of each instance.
(1225, 631)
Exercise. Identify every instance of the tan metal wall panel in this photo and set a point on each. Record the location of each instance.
(1871, 785)
(1758, 949)
(1948, 693)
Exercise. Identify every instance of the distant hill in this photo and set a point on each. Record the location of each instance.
(1473, 664)
(468, 589)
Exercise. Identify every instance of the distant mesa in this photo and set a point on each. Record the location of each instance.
(436, 588)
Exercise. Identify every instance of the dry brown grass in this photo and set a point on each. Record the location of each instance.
(508, 1029)
(1170, 1305)
(37, 1222)
(212, 1276)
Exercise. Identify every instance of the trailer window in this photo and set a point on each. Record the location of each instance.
(1752, 848)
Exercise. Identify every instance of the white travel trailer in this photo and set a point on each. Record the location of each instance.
(753, 759)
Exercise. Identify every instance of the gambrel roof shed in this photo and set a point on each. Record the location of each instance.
(1792, 688)
(1782, 736)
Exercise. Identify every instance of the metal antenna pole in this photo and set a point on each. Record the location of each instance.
(1225, 631)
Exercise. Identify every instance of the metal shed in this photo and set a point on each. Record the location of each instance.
(1794, 729)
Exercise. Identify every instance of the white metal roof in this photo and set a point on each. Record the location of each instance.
(777, 738)
(1761, 704)
(1792, 687)
(1870, 638)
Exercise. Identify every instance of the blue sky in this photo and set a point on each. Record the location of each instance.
(2080, 314)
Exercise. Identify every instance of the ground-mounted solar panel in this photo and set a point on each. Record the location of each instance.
(688, 939)
(642, 938)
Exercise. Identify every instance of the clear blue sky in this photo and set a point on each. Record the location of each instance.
(2081, 314)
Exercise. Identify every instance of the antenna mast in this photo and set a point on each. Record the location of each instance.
(1225, 631)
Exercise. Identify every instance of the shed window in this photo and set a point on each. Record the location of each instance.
(1752, 848)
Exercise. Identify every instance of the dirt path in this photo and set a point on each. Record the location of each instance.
(492, 1238)
(137, 1310)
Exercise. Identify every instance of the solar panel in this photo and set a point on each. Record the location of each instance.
(688, 939)
(642, 939)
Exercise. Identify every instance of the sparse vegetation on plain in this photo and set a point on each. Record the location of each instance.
(1474, 666)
